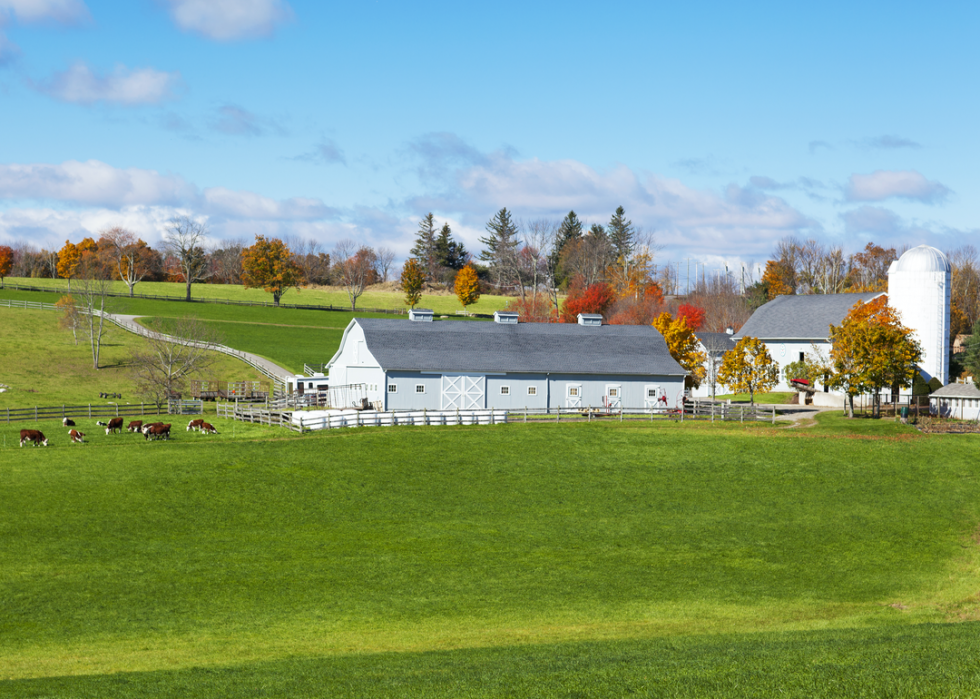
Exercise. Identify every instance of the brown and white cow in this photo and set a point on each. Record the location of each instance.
(67, 422)
(135, 426)
(35, 436)
(207, 428)
(146, 426)
(158, 432)
(115, 424)
(194, 425)
(76, 436)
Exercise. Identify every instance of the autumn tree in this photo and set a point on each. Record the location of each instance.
(353, 268)
(162, 364)
(778, 278)
(184, 241)
(467, 286)
(6, 262)
(71, 317)
(132, 260)
(683, 346)
(412, 281)
(69, 258)
(869, 268)
(749, 368)
(692, 314)
(871, 350)
(583, 298)
(588, 256)
(268, 264)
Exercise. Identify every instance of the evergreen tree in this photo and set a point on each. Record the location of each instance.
(425, 245)
(450, 253)
(570, 229)
(501, 247)
(620, 231)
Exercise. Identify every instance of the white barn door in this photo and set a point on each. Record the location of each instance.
(461, 392)
(573, 395)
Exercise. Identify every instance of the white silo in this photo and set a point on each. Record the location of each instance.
(919, 288)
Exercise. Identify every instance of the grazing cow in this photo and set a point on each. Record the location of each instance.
(35, 436)
(207, 428)
(158, 432)
(146, 428)
(194, 425)
(68, 422)
(114, 425)
(135, 426)
(76, 436)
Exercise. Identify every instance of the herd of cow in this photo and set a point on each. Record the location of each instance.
(150, 430)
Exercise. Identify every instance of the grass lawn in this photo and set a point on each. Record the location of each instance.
(588, 560)
(763, 398)
(372, 298)
(42, 365)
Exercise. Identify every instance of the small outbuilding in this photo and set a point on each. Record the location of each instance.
(956, 400)
(445, 365)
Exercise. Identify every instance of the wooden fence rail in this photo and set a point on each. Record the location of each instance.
(52, 412)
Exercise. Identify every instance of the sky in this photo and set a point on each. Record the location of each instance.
(721, 128)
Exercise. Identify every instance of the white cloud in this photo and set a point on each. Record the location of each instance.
(248, 205)
(80, 85)
(60, 11)
(887, 184)
(226, 20)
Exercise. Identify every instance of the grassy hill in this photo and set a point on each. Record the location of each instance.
(520, 560)
(379, 296)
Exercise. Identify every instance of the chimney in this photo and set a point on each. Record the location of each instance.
(505, 317)
(420, 315)
(589, 319)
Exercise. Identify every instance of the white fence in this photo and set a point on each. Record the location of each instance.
(371, 418)
(36, 305)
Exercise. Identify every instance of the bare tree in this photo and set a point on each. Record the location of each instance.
(184, 240)
(589, 256)
(715, 345)
(354, 268)
(723, 306)
(226, 261)
(131, 257)
(541, 236)
(162, 365)
(90, 295)
(384, 257)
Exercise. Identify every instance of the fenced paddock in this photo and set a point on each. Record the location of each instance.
(692, 410)
(81, 411)
(303, 421)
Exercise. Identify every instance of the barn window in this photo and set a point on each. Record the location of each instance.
(573, 391)
(532, 390)
(420, 388)
(392, 388)
(613, 392)
(802, 356)
(651, 392)
(505, 390)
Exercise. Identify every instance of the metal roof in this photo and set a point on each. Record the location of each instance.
(557, 348)
(801, 317)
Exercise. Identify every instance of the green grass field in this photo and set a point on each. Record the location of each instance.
(42, 365)
(762, 398)
(372, 298)
(588, 560)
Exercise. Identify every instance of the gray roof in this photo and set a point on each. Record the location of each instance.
(957, 390)
(565, 348)
(801, 317)
(716, 342)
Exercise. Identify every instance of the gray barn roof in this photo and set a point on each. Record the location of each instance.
(565, 348)
(801, 317)
(716, 343)
(957, 390)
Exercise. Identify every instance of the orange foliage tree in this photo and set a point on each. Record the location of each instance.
(872, 350)
(69, 257)
(467, 286)
(269, 265)
(778, 278)
(6, 261)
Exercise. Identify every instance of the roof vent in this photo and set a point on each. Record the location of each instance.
(589, 319)
(423, 315)
(730, 330)
(505, 317)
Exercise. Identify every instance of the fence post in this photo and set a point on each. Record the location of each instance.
(774, 414)
(525, 414)
(35, 413)
(89, 411)
(62, 410)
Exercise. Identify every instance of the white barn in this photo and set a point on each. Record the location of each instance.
(410, 365)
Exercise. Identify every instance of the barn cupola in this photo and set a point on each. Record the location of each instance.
(420, 315)
(505, 317)
(589, 319)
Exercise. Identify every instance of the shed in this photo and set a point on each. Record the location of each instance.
(956, 400)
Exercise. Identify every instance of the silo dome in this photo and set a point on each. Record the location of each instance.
(923, 258)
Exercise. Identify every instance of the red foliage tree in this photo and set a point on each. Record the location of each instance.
(533, 308)
(596, 298)
(692, 314)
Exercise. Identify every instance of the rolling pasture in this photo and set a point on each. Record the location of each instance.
(519, 560)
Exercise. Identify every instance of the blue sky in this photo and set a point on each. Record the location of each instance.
(721, 128)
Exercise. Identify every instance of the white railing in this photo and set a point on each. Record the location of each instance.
(36, 305)
(394, 418)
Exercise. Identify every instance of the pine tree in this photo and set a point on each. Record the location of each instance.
(425, 245)
(450, 253)
(570, 230)
(620, 231)
(501, 247)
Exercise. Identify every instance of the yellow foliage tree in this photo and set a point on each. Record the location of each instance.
(872, 350)
(269, 265)
(749, 368)
(413, 278)
(467, 286)
(630, 278)
(683, 347)
(69, 258)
